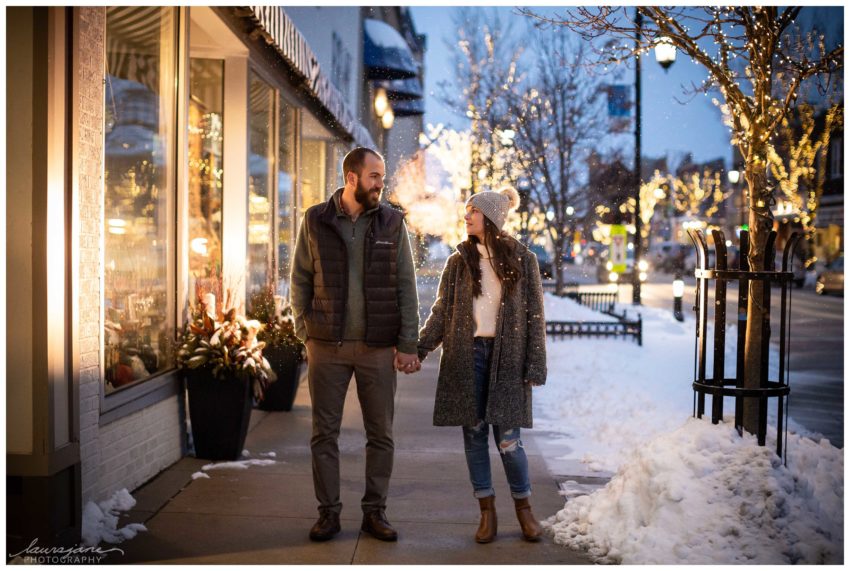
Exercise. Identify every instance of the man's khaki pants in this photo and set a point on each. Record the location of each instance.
(329, 370)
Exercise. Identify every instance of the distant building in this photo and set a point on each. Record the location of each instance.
(829, 224)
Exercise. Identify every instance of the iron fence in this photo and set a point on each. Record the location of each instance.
(602, 301)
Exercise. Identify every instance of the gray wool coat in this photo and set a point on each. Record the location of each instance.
(519, 348)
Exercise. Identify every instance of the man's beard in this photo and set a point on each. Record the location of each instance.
(367, 197)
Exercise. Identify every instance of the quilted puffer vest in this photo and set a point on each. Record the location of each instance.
(326, 319)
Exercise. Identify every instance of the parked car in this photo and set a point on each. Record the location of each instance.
(798, 267)
(664, 255)
(831, 279)
(691, 261)
(544, 261)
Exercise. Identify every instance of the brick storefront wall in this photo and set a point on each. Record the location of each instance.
(128, 452)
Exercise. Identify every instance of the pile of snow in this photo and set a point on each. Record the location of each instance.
(247, 453)
(607, 397)
(565, 309)
(238, 464)
(701, 494)
(100, 521)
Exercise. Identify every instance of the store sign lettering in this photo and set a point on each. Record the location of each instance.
(281, 32)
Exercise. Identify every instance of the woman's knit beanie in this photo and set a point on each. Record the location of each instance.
(495, 205)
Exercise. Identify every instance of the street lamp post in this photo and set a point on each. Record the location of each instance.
(665, 55)
(638, 237)
(734, 177)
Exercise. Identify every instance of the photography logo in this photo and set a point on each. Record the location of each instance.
(78, 554)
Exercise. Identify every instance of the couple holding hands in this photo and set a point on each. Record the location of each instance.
(353, 294)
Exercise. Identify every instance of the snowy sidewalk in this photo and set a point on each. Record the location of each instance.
(262, 514)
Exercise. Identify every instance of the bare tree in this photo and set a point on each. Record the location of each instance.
(557, 117)
(486, 57)
(758, 62)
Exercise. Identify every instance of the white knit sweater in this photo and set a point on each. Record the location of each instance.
(485, 308)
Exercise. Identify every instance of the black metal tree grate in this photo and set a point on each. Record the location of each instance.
(718, 385)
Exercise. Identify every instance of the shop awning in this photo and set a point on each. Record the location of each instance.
(402, 89)
(409, 108)
(385, 53)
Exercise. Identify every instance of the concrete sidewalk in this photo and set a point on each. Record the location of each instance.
(263, 514)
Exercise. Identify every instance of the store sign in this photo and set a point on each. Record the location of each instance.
(618, 248)
(280, 31)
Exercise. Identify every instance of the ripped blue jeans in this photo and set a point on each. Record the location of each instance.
(507, 440)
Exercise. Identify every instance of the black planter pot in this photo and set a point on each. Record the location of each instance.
(286, 361)
(220, 411)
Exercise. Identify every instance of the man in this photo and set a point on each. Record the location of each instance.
(353, 295)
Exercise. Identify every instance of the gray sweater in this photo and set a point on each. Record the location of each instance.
(519, 348)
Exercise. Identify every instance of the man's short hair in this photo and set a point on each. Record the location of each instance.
(356, 159)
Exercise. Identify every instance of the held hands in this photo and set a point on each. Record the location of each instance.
(407, 363)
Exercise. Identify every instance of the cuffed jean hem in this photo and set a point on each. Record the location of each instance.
(481, 494)
(521, 495)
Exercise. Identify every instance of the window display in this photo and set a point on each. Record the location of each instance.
(139, 225)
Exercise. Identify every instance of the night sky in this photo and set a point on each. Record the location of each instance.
(669, 127)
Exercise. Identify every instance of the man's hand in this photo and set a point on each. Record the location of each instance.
(407, 362)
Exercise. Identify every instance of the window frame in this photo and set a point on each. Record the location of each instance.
(282, 95)
(164, 384)
(253, 73)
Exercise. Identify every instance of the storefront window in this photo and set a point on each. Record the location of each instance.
(261, 173)
(340, 149)
(206, 174)
(139, 255)
(313, 170)
(285, 195)
(318, 162)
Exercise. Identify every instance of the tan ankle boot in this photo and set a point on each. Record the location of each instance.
(531, 529)
(487, 526)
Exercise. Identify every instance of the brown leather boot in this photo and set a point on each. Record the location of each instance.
(326, 527)
(531, 529)
(375, 523)
(487, 526)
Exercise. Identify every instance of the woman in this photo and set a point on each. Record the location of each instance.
(489, 318)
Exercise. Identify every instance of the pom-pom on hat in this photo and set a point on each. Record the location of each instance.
(495, 205)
